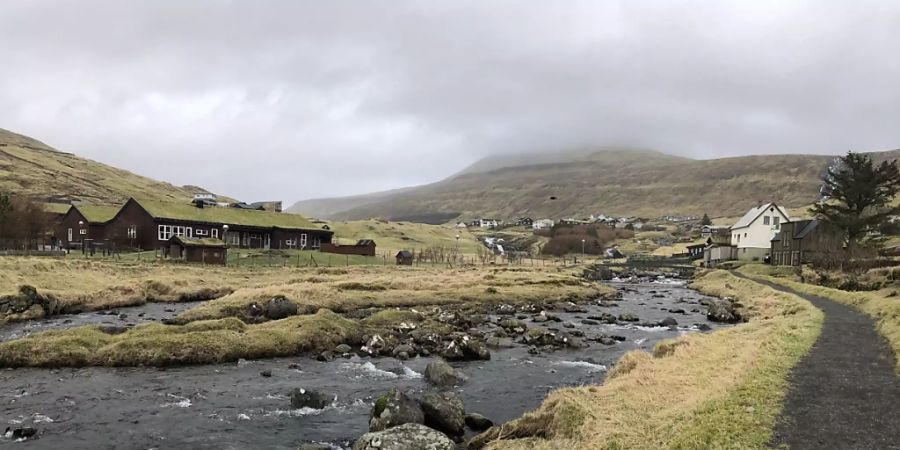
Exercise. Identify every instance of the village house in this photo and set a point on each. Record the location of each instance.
(206, 250)
(706, 231)
(82, 226)
(524, 221)
(485, 223)
(805, 241)
(149, 224)
(752, 234)
(542, 224)
(363, 247)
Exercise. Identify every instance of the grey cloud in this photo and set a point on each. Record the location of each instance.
(291, 100)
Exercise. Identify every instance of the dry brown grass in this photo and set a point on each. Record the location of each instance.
(719, 390)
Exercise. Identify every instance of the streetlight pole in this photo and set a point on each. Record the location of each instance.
(456, 252)
(81, 235)
(582, 249)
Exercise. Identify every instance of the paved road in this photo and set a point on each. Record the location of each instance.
(845, 394)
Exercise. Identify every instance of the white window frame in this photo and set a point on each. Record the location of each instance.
(132, 231)
(201, 232)
(303, 240)
(164, 232)
(766, 220)
(776, 221)
(70, 235)
(82, 231)
(215, 232)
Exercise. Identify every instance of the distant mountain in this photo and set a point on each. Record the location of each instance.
(32, 168)
(610, 181)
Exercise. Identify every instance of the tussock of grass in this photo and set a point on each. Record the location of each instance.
(202, 342)
(387, 287)
(718, 390)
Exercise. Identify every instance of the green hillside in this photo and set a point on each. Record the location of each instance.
(32, 168)
(619, 182)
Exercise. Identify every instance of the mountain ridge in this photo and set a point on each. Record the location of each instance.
(621, 182)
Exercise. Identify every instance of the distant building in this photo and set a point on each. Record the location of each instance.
(804, 241)
(707, 231)
(461, 225)
(542, 224)
(488, 223)
(695, 251)
(363, 247)
(753, 233)
(404, 258)
(524, 222)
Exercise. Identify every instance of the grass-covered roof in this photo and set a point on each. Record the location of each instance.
(198, 242)
(225, 215)
(97, 214)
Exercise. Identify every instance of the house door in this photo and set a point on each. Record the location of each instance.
(267, 241)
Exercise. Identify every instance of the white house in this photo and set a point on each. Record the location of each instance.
(542, 224)
(488, 223)
(752, 235)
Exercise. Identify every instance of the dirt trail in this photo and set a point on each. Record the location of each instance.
(845, 394)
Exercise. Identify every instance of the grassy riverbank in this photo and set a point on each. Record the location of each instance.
(882, 305)
(718, 390)
(221, 330)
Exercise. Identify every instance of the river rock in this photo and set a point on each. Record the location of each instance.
(21, 433)
(393, 409)
(540, 318)
(506, 309)
(589, 322)
(403, 350)
(722, 310)
(474, 349)
(439, 373)
(606, 340)
(315, 446)
(278, 307)
(302, 398)
(628, 317)
(409, 436)
(604, 318)
(266, 373)
(444, 412)
(668, 322)
(573, 308)
(477, 422)
(112, 329)
(342, 349)
(374, 345)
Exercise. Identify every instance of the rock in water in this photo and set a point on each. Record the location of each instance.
(409, 436)
(343, 348)
(393, 409)
(302, 398)
(668, 322)
(445, 412)
(477, 422)
(279, 307)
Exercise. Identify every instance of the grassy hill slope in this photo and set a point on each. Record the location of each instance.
(32, 168)
(620, 182)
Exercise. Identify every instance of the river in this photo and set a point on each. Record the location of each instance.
(231, 405)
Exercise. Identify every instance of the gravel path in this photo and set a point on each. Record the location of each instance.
(845, 394)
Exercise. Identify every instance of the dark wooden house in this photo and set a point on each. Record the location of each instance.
(148, 224)
(364, 247)
(82, 226)
(404, 258)
(206, 250)
(695, 251)
(805, 241)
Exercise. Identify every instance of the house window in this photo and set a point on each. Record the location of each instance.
(82, 231)
(70, 235)
(290, 242)
(776, 221)
(202, 232)
(785, 240)
(165, 232)
(246, 240)
(317, 242)
(215, 233)
(303, 240)
(745, 235)
(234, 238)
(132, 231)
(765, 220)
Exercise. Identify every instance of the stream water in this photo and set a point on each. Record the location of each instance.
(230, 405)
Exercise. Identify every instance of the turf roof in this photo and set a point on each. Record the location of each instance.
(225, 215)
(198, 242)
(97, 214)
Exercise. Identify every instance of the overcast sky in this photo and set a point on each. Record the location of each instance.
(291, 100)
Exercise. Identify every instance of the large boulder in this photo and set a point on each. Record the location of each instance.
(393, 409)
(445, 412)
(302, 398)
(439, 373)
(723, 310)
(477, 422)
(405, 437)
(279, 307)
